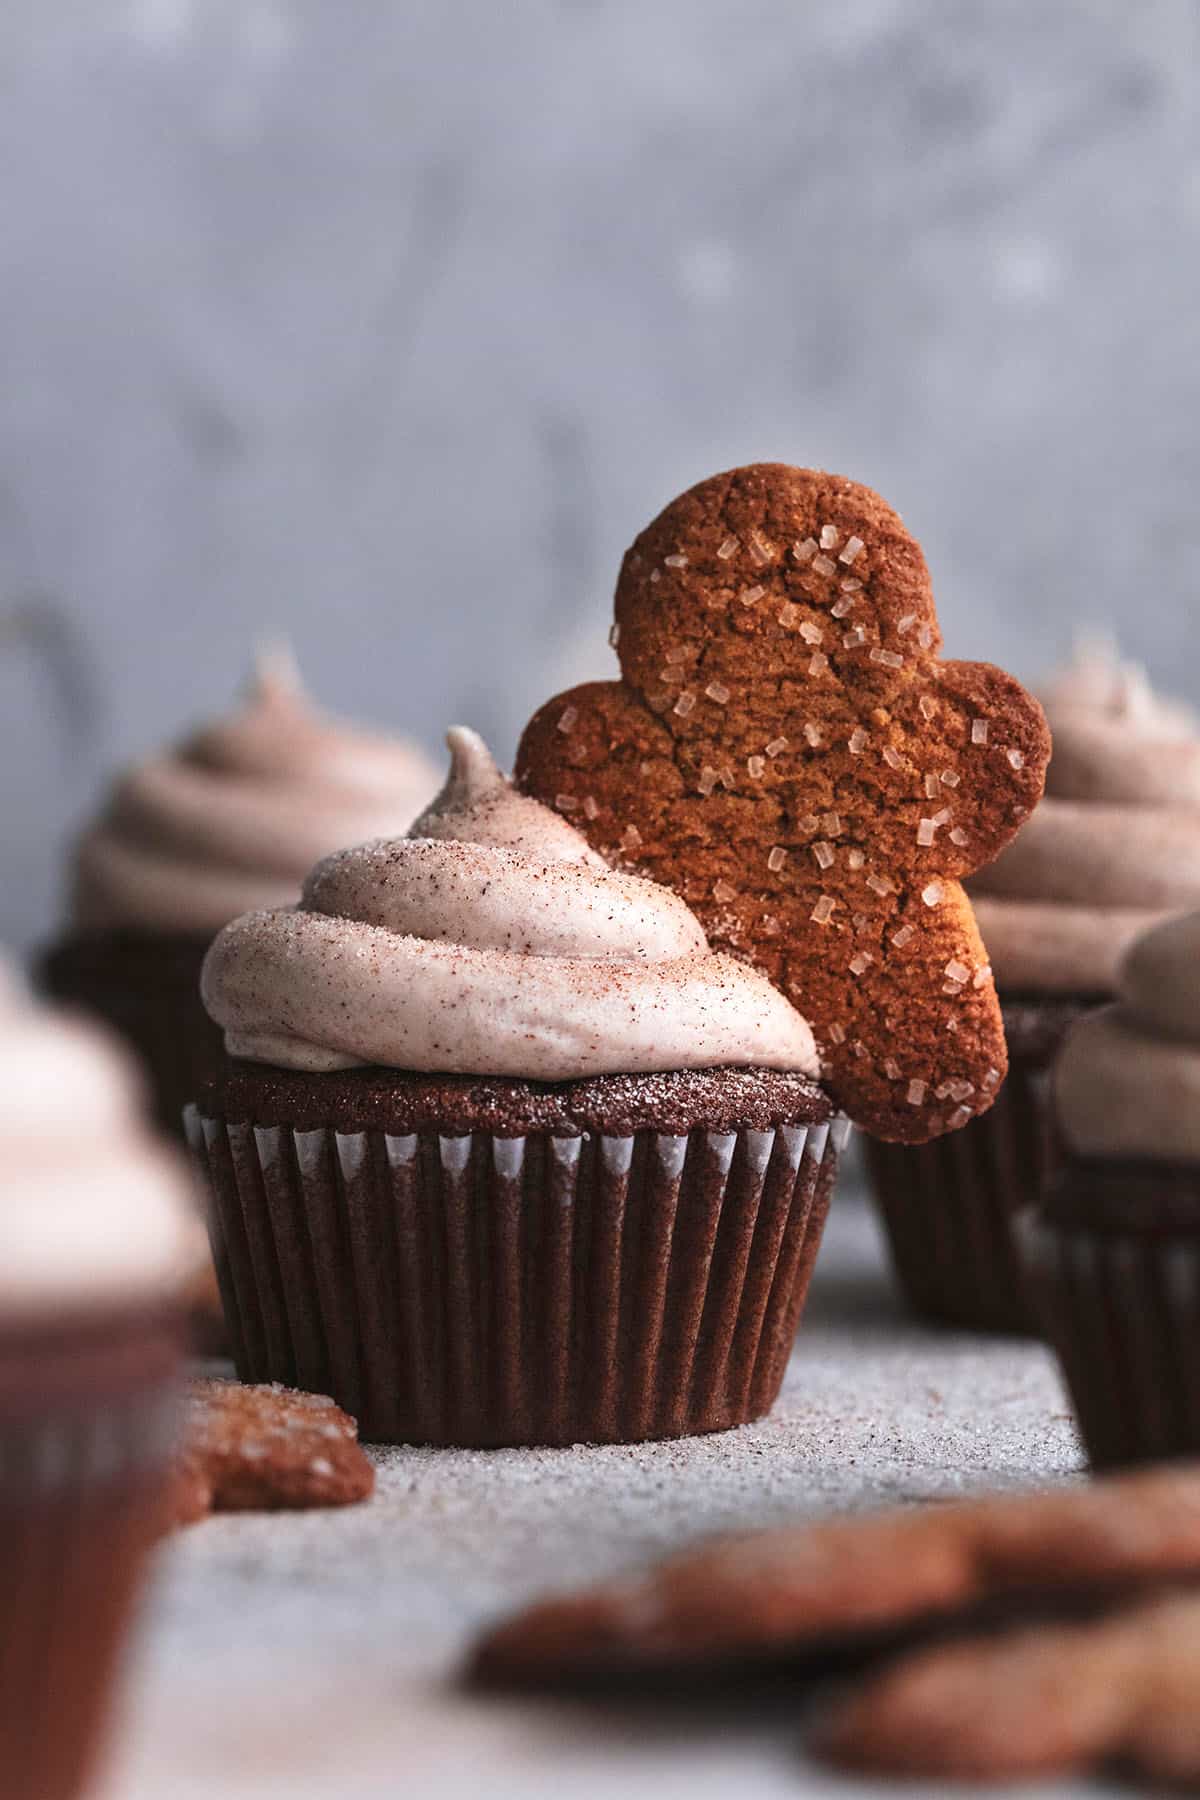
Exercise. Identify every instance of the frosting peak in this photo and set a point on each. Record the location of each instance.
(235, 816)
(102, 1212)
(1113, 847)
(491, 941)
(479, 804)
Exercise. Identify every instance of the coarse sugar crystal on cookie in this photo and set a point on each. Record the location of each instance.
(787, 749)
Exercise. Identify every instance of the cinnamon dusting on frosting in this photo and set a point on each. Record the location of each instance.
(478, 804)
(492, 941)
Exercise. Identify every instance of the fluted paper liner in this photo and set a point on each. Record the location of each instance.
(81, 1506)
(487, 1290)
(948, 1208)
(1123, 1314)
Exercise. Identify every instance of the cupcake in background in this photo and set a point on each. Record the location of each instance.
(1115, 1245)
(503, 1153)
(1113, 848)
(231, 819)
(98, 1240)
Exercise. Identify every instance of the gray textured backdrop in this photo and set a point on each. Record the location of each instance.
(386, 325)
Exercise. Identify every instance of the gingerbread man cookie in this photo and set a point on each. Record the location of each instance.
(787, 750)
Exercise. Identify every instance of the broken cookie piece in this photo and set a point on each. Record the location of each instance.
(265, 1449)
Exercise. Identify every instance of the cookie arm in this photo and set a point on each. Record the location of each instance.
(601, 759)
(1004, 754)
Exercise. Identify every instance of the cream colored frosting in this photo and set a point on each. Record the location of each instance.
(494, 943)
(1114, 846)
(478, 804)
(93, 1209)
(1127, 1080)
(236, 817)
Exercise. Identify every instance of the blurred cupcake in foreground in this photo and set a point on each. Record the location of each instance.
(98, 1239)
(231, 819)
(1115, 1245)
(1113, 848)
(504, 1153)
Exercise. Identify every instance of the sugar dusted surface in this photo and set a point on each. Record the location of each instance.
(310, 1655)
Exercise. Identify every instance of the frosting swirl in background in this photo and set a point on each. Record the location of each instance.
(93, 1208)
(235, 817)
(1127, 1080)
(493, 943)
(1115, 845)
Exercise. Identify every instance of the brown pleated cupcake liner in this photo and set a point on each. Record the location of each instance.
(81, 1506)
(484, 1290)
(147, 988)
(948, 1208)
(1123, 1313)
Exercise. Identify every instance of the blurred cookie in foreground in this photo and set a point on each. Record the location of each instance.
(809, 1592)
(1112, 849)
(1122, 1689)
(1115, 1246)
(98, 1241)
(231, 818)
(265, 1449)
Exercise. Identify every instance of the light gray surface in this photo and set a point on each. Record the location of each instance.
(388, 326)
(311, 1656)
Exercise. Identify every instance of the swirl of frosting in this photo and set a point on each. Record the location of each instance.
(491, 942)
(235, 817)
(1127, 1080)
(100, 1212)
(1115, 845)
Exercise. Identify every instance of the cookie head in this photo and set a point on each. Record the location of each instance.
(787, 749)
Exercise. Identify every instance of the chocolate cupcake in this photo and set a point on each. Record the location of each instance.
(1114, 847)
(503, 1153)
(97, 1238)
(1114, 1246)
(231, 819)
